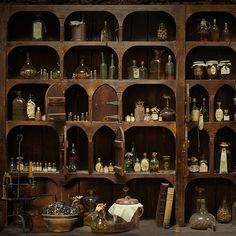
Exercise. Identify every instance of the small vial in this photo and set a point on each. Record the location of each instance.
(45, 168)
(86, 116)
(54, 168)
(38, 115)
(82, 118)
(49, 167)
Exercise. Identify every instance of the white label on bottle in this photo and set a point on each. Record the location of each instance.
(213, 70)
(219, 115)
(137, 167)
(226, 118)
(203, 168)
(223, 161)
(31, 109)
(136, 73)
(37, 30)
(195, 115)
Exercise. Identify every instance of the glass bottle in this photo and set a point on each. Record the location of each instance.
(133, 71)
(18, 107)
(154, 163)
(147, 116)
(38, 115)
(38, 28)
(82, 71)
(162, 32)
(167, 113)
(219, 114)
(215, 33)
(100, 224)
(156, 70)
(111, 167)
(30, 107)
(142, 71)
(90, 201)
(203, 30)
(169, 69)
(12, 166)
(56, 72)
(72, 159)
(98, 164)
(226, 115)
(139, 111)
(202, 219)
(195, 112)
(103, 68)
(112, 68)
(204, 111)
(226, 33)
(105, 33)
(166, 163)
(137, 165)
(224, 212)
(144, 163)
(28, 71)
(224, 158)
(128, 162)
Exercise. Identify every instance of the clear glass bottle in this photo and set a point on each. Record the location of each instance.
(134, 153)
(128, 162)
(145, 163)
(169, 69)
(147, 115)
(162, 32)
(219, 114)
(137, 165)
(98, 164)
(72, 159)
(19, 107)
(30, 107)
(111, 167)
(154, 163)
(215, 33)
(90, 201)
(112, 68)
(103, 67)
(139, 111)
(226, 33)
(38, 115)
(226, 115)
(105, 33)
(155, 68)
(28, 71)
(38, 28)
(142, 71)
(224, 212)
(167, 113)
(56, 72)
(204, 111)
(133, 71)
(82, 71)
(195, 112)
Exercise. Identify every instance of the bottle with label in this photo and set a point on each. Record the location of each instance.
(133, 71)
(144, 163)
(112, 68)
(105, 33)
(98, 164)
(111, 167)
(204, 111)
(215, 33)
(203, 165)
(39, 30)
(195, 112)
(219, 114)
(155, 68)
(103, 68)
(128, 164)
(72, 159)
(226, 115)
(226, 33)
(19, 107)
(154, 163)
(169, 69)
(142, 71)
(224, 158)
(147, 115)
(38, 115)
(137, 165)
(30, 107)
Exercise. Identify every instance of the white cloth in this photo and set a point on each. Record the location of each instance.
(126, 212)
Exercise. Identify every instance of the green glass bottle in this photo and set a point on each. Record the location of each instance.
(142, 71)
(103, 68)
(112, 68)
(128, 162)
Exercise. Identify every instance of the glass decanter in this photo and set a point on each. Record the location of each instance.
(105, 33)
(28, 71)
(82, 71)
(167, 114)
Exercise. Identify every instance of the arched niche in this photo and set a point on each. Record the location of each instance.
(79, 138)
(143, 25)
(151, 94)
(92, 59)
(103, 146)
(41, 57)
(157, 139)
(40, 144)
(105, 104)
(146, 54)
(20, 24)
(94, 24)
(76, 101)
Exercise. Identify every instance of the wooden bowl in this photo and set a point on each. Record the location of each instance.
(60, 223)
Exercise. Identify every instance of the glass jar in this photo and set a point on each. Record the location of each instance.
(28, 71)
(224, 212)
(198, 69)
(224, 158)
(78, 30)
(212, 69)
(224, 66)
(202, 219)
(166, 163)
(82, 71)
(139, 111)
(162, 32)
(167, 113)
(193, 165)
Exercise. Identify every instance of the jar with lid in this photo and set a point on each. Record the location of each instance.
(224, 67)
(212, 69)
(166, 163)
(224, 158)
(198, 69)
(78, 30)
(162, 32)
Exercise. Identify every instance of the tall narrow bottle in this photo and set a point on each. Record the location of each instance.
(142, 71)
(105, 33)
(226, 33)
(204, 110)
(169, 69)
(155, 71)
(112, 68)
(72, 159)
(215, 33)
(30, 107)
(133, 71)
(195, 112)
(103, 68)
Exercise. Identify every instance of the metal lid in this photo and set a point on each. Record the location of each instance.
(225, 62)
(198, 63)
(212, 62)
